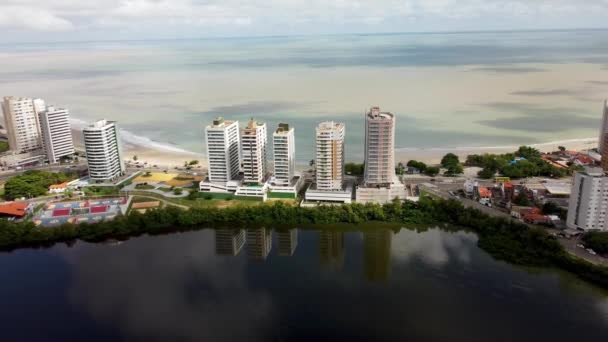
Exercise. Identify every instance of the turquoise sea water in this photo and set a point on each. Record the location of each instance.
(447, 90)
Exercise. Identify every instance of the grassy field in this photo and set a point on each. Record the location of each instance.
(170, 179)
(155, 177)
(198, 203)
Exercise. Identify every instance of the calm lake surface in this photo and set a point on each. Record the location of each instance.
(291, 285)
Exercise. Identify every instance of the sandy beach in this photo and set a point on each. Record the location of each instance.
(434, 155)
(167, 157)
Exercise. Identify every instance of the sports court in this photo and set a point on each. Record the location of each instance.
(89, 211)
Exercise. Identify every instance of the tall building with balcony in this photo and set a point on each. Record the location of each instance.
(22, 123)
(330, 156)
(104, 155)
(588, 207)
(254, 141)
(603, 139)
(379, 147)
(56, 132)
(223, 156)
(284, 146)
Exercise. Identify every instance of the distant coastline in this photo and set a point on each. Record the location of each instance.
(170, 156)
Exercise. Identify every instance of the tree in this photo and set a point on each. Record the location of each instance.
(400, 169)
(432, 171)
(528, 152)
(418, 165)
(561, 148)
(178, 191)
(32, 184)
(449, 160)
(551, 208)
(135, 158)
(454, 170)
(522, 200)
(193, 162)
(354, 169)
(193, 195)
(486, 173)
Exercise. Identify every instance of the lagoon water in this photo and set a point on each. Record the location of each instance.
(448, 90)
(291, 285)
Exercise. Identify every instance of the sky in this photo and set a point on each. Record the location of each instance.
(59, 20)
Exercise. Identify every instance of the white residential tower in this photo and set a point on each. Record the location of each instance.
(104, 155)
(589, 201)
(284, 146)
(254, 141)
(224, 161)
(56, 134)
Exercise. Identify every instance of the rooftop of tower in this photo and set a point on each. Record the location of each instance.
(219, 122)
(329, 125)
(375, 113)
(283, 128)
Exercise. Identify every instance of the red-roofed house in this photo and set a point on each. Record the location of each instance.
(508, 190)
(537, 219)
(15, 209)
(583, 160)
(519, 212)
(58, 188)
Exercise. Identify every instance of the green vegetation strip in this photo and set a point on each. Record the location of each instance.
(504, 239)
(33, 184)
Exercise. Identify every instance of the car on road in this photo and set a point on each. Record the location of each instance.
(580, 246)
(591, 251)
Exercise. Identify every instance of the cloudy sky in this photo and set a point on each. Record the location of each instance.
(40, 20)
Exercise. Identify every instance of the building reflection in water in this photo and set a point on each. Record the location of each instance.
(259, 243)
(229, 242)
(377, 254)
(288, 241)
(331, 249)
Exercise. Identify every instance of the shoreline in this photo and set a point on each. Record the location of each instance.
(164, 155)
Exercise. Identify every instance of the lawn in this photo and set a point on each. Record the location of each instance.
(170, 179)
(155, 177)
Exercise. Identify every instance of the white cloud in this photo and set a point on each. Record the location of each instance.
(37, 19)
(322, 15)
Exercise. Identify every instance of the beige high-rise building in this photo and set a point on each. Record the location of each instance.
(379, 147)
(254, 141)
(603, 130)
(22, 123)
(330, 156)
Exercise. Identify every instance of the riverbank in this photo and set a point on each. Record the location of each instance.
(504, 239)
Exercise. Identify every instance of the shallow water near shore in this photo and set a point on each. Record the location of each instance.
(461, 90)
(345, 283)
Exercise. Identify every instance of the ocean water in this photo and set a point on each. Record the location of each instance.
(447, 90)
